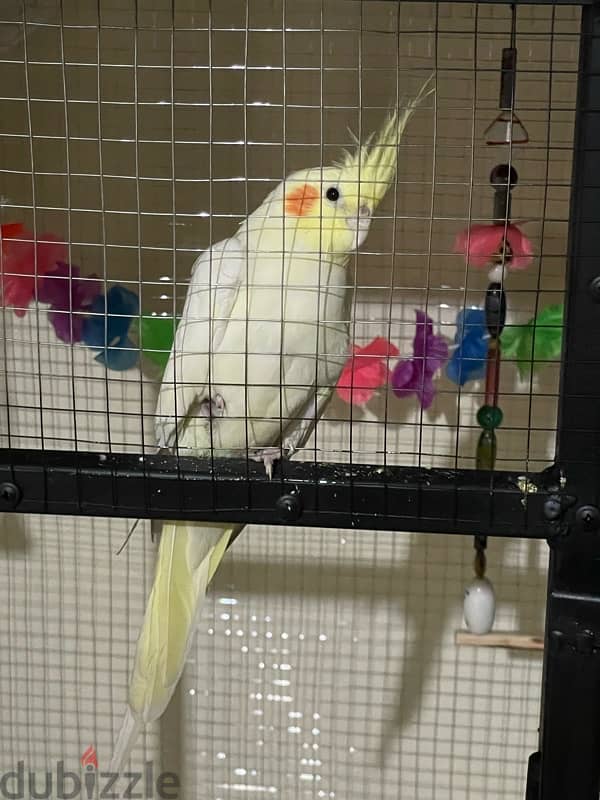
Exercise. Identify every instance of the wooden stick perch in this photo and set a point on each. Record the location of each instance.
(512, 641)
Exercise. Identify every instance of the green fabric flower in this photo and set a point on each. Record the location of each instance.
(156, 338)
(538, 341)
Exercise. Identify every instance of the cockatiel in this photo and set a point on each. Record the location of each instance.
(262, 340)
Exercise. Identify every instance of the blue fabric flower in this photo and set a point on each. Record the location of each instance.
(467, 362)
(107, 328)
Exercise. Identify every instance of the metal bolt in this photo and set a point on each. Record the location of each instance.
(588, 517)
(289, 507)
(10, 494)
(595, 288)
(557, 639)
(584, 642)
(552, 508)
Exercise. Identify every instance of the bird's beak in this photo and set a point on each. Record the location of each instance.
(359, 221)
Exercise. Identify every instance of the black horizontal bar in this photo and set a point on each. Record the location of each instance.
(236, 490)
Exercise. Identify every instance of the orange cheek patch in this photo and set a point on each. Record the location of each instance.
(299, 202)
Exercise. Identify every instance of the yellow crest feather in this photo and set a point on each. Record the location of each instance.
(374, 161)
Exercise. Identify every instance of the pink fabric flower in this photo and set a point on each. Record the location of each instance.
(365, 371)
(18, 273)
(480, 242)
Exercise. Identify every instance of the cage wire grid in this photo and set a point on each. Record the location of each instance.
(325, 663)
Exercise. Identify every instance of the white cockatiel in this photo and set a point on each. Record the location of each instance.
(261, 343)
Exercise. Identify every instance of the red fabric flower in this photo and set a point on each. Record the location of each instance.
(19, 250)
(480, 242)
(365, 371)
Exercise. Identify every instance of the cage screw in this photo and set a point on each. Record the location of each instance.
(595, 288)
(552, 508)
(584, 642)
(10, 494)
(289, 507)
(588, 517)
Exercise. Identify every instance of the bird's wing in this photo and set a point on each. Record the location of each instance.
(216, 278)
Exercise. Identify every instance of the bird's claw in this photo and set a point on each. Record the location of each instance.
(212, 406)
(289, 447)
(270, 455)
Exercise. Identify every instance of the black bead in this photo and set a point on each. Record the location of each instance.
(503, 175)
(495, 309)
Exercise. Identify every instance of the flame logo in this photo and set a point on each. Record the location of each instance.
(89, 758)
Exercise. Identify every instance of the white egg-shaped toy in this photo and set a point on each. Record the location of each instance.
(480, 606)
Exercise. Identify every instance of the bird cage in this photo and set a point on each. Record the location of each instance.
(332, 658)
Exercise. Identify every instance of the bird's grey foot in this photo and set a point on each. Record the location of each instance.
(289, 446)
(270, 455)
(212, 407)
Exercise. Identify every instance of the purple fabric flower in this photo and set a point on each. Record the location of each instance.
(415, 375)
(69, 297)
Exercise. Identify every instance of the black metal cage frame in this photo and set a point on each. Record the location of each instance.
(560, 504)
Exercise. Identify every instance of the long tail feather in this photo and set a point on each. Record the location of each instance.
(131, 727)
(188, 557)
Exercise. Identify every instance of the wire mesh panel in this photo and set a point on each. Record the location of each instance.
(200, 114)
(135, 135)
(343, 673)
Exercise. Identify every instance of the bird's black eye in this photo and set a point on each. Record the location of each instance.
(332, 194)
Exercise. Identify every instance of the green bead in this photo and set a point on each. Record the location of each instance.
(489, 417)
(485, 457)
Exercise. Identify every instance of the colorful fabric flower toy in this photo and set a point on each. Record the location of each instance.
(415, 375)
(107, 329)
(468, 359)
(156, 338)
(538, 341)
(365, 371)
(24, 259)
(69, 297)
(483, 244)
